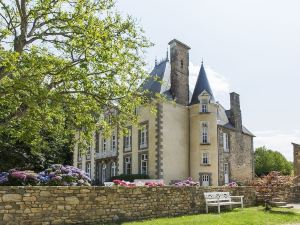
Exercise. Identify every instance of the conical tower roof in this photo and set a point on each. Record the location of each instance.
(202, 84)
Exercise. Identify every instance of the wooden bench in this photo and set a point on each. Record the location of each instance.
(218, 199)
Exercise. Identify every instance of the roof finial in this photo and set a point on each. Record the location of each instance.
(167, 54)
(202, 61)
(155, 61)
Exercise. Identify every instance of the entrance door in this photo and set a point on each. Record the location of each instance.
(205, 180)
(226, 173)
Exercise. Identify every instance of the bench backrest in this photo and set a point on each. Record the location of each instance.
(214, 196)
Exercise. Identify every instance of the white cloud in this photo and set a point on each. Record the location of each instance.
(278, 140)
(219, 84)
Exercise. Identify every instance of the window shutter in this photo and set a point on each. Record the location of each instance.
(97, 141)
(139, 141)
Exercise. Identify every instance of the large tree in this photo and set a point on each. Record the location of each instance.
(63, 64)
(267, 160)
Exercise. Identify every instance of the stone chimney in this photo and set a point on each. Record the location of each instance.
(297, 163)
(235, 111)
(179, 59)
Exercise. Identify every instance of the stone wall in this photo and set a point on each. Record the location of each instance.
(290, 195)
(87, 205)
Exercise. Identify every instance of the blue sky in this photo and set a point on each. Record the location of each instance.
(251, 47)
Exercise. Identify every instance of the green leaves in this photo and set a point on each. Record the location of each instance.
(67, 64)
(267, 161)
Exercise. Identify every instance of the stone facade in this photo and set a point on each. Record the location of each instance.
(186, 137)
(297, 163)
(90, 205)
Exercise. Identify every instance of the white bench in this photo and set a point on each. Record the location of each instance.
(218, 199)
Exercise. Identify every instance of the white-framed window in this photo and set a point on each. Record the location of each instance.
(127, 140)
(127, 165)
(204, 105)
(143, 136)
(104, 145)
(103, 178)
(88, 168)
(113, 142)
(144, 164)
(226, 142)
(113, 169)
(205, 158)
(88, 152)
(204, 133)
(205, 180)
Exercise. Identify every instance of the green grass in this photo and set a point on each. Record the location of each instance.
(247, 216)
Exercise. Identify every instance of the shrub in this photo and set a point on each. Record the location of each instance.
(188, 182)
(267, 186)
(55, 175)
(130, 177)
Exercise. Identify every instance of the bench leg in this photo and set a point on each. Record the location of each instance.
(206, 209)
(219, 209)
(242, 205)
(230, 207)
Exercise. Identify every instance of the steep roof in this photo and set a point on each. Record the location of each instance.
(202, 84)
(159, 80)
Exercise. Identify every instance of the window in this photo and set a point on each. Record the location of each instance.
(181, 64)
(226, 142)
(88, 152)
(113, 169)
(127, 140)
(205, 159)
(144, 164)
(104, 145)
(88, 168)
(103, 178)
(204, 106)
(143, 136)
(127, 165)
(113, 142)
(205, 180)
(79, 166)
(204, 133)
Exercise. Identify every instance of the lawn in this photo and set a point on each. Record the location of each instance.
(248, 216)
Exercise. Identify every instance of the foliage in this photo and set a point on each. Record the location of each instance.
(267, 160)
(55, 175)
(268, 186)
(232, 184)
(130, 177)
(246, 216)
(65, 64)
(18, 154)
(188, 182)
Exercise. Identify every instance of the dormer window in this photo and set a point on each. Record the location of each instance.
(204, 104)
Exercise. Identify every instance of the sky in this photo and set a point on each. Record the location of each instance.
(251, 47)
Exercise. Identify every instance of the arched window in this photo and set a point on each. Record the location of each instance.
(113, 169)
(103, 173)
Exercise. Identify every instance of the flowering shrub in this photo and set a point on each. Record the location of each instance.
(232, 184)
(3, 178)
(19, 178)
(188, 182)
(129, 184)
(55, 175)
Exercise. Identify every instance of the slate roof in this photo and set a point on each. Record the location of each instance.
(155, 83)
(202, 84)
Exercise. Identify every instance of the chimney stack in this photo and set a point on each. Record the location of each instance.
(235, 111)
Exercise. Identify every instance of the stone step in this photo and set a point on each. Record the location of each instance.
(277, 204)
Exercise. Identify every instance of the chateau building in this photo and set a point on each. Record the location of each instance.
(191, 135)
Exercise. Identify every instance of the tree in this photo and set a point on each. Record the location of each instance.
(63, 65)
(267, 160)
